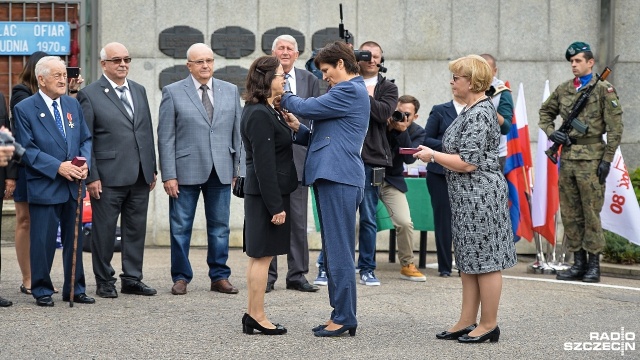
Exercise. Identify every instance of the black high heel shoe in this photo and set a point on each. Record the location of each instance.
(249, 325)
(492, 336)
(337, 332)
(446, 335)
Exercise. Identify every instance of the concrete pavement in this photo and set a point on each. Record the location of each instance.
(539, 318)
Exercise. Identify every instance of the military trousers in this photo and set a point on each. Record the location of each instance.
(581, 200)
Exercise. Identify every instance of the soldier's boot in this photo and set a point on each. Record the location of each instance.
(579, 268)
(593, 269)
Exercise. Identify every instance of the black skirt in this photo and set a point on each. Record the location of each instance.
(261, 237)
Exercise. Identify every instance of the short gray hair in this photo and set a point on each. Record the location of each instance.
(42, 68)
(288, 38)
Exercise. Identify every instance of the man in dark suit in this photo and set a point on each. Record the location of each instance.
(303, 84)
(440, 117)
(123, 171)
(8, 170)
(199, 147)
(53, 131)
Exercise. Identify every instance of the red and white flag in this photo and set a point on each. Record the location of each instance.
(621, 213)
(545, 200)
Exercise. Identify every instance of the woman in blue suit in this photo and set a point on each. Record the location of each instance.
(334, 167)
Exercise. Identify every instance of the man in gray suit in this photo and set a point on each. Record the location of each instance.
(199, 146)
(123, 173)
(303, 84)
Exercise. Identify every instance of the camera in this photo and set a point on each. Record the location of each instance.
(7, 140)
(362, 55)
(399, 116)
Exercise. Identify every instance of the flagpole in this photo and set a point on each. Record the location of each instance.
(559, 265)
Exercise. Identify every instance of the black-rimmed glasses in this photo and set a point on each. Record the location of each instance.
(119, 60)
(456, 77)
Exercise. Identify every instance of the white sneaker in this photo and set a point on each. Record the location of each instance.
(322, 279)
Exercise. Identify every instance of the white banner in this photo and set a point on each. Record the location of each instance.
(621, 213)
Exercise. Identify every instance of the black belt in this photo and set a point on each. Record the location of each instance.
(586, 141)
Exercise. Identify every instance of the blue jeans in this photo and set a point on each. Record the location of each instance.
(217, 198)
(368, 226)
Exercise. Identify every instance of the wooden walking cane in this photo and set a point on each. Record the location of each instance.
(75, 243)
(77, 161)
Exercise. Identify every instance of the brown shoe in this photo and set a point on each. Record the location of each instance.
(224, 286)
(179, 288)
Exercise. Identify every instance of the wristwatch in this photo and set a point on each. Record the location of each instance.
(433, 156)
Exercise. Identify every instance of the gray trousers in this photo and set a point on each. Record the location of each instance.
(298, 256)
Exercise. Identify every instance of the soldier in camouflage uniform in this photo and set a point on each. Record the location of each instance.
(585, 159)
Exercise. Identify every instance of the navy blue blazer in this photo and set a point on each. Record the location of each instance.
(46, 148)
(440, 117)
(340, 119)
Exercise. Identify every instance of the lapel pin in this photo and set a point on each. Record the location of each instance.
(106, 91)
(41, 114)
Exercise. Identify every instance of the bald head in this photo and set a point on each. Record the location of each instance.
(115, 59)
(492, 62)
(199, 48)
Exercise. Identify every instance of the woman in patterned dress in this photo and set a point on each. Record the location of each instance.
(482, 235)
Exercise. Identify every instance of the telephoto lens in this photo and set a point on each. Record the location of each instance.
(398, 116)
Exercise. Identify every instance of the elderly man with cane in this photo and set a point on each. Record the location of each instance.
(55, 137)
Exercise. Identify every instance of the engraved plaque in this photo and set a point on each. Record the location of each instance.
(233, 42)
(322, 37)
(234, 74)
(176, 40)
(272, 34)
(172, 74)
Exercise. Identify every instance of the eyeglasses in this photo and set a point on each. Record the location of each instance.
(201, 62)
(119, 60)
(59, 76)
(456, 77)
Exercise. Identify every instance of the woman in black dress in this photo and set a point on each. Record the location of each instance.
(482, 235)
(270, 178)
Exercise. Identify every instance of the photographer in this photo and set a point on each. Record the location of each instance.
(8, 171)
(402, 132)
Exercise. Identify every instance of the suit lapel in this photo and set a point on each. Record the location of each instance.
(300, 89)
(48, 122)
(450, 113)
(112, 95)
(68, 118)
(192, 94)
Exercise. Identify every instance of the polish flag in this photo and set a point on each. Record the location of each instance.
(545, 201)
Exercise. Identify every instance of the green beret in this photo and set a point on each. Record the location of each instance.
(576, 48)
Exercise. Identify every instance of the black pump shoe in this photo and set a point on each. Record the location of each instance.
(249, 325)
(319, 327)
(332, 333)
(446, 335)
(492, 336)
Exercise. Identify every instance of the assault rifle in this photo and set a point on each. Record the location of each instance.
(572, 121)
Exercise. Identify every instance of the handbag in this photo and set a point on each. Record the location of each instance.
(238, 188)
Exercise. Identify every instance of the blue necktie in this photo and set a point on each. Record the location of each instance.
(56, 114)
